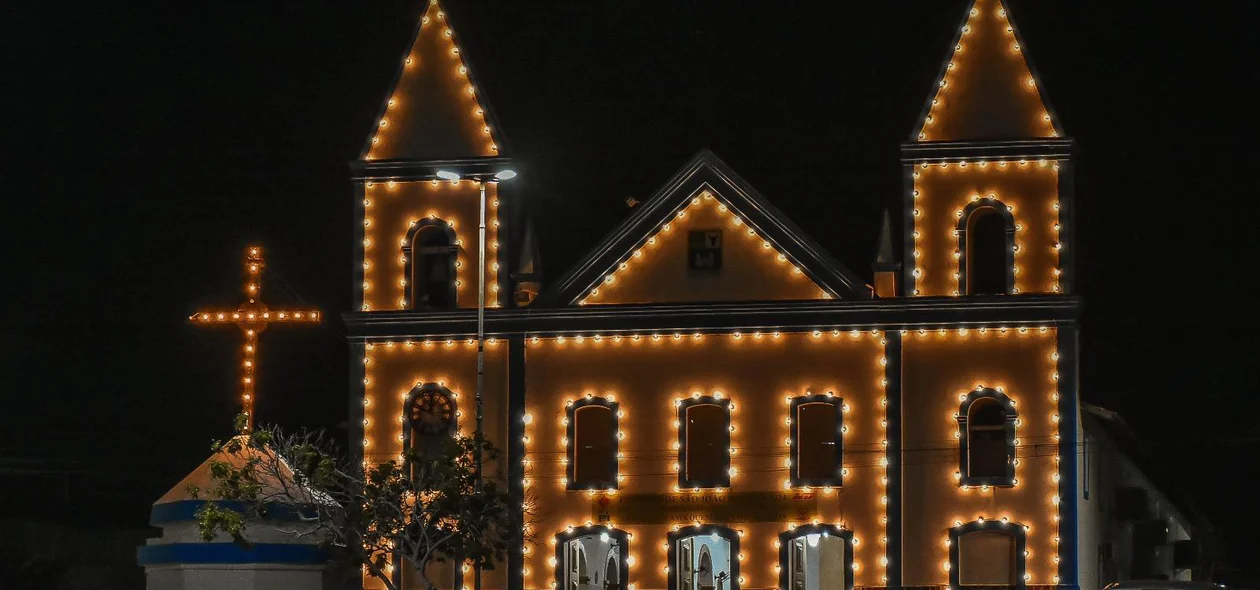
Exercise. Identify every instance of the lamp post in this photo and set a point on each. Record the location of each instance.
(479, 433)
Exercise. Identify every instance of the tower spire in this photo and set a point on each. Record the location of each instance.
(987, 88)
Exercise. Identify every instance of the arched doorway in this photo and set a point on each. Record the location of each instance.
(612, 573)
(703, 557)
(816, 557)
(592, 558)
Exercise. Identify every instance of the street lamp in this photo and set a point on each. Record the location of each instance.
(479, 433)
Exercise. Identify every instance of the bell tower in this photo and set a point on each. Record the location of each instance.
(418, 182)
(988, 172)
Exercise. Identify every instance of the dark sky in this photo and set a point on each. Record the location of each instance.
(147, 144)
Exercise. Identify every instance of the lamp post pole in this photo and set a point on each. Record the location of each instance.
(479, 435)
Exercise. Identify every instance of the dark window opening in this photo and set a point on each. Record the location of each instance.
(818, 432)
(987, 558)
(433, 270)
(986, 253)
(594, 457)
(704, 249)
(707, 452)
(987, 445)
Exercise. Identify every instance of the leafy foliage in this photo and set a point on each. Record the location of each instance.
(424, 509)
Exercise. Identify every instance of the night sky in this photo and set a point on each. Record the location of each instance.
(146, 145)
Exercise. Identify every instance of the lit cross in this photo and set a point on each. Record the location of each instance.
(252, 317)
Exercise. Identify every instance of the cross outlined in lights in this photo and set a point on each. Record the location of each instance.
(252, 317)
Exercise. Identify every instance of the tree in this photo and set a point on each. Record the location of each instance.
(423, 509)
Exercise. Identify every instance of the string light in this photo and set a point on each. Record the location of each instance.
(705, 201)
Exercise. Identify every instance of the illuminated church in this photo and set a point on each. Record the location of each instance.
(709, 400)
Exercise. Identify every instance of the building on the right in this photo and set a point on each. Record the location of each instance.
(1135, 523)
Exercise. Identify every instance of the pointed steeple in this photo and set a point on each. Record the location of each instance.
(884, 256)
(987, 88)
(528, 275)
(886, 267)
(434, 110)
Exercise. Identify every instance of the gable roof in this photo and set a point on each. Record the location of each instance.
(434, 109)
(706, 171)
(1004, 101)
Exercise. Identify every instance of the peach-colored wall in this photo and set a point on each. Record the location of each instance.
(433, 111)
(751, 268)
(647, 375)
(989, 92)
(936, 369)
(392, 370)
(1031, 188)
(392, 207)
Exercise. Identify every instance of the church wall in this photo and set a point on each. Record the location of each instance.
(751, 268)
(943, 191)
(647, 375)
(939, 367)
(394, 369)
(390, 209)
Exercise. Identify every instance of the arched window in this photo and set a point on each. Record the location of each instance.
(817, 440)
(703, 557)
(432, 418)
(592, 558)
(987, 553)
(986, 427)
(704, 442)
(986, 244)
(815, 557)
(431, 255)
(593, 437)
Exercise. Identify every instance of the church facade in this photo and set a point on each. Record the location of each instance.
(709, 400)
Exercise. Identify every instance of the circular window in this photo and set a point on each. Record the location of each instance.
(431, 412)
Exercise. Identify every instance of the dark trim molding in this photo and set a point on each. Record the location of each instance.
(1008, 230)
(618, 535)
(408, 248)
(1007, 479)
(516, 454)
(357, 411)
(684, 479)
(1049, 148)
(837, 404)
(699, 531)
(907, 232)
(1067, 227)
(421, 170)
(1069, 485)
(724, 318)
(706, 172)
(570, 433)
(831, 530)
(1013, 529)
(893, 511)
(231, 553)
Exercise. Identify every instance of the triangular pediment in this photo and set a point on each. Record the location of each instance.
(987, 88)
(434, 109)
(706, 236)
